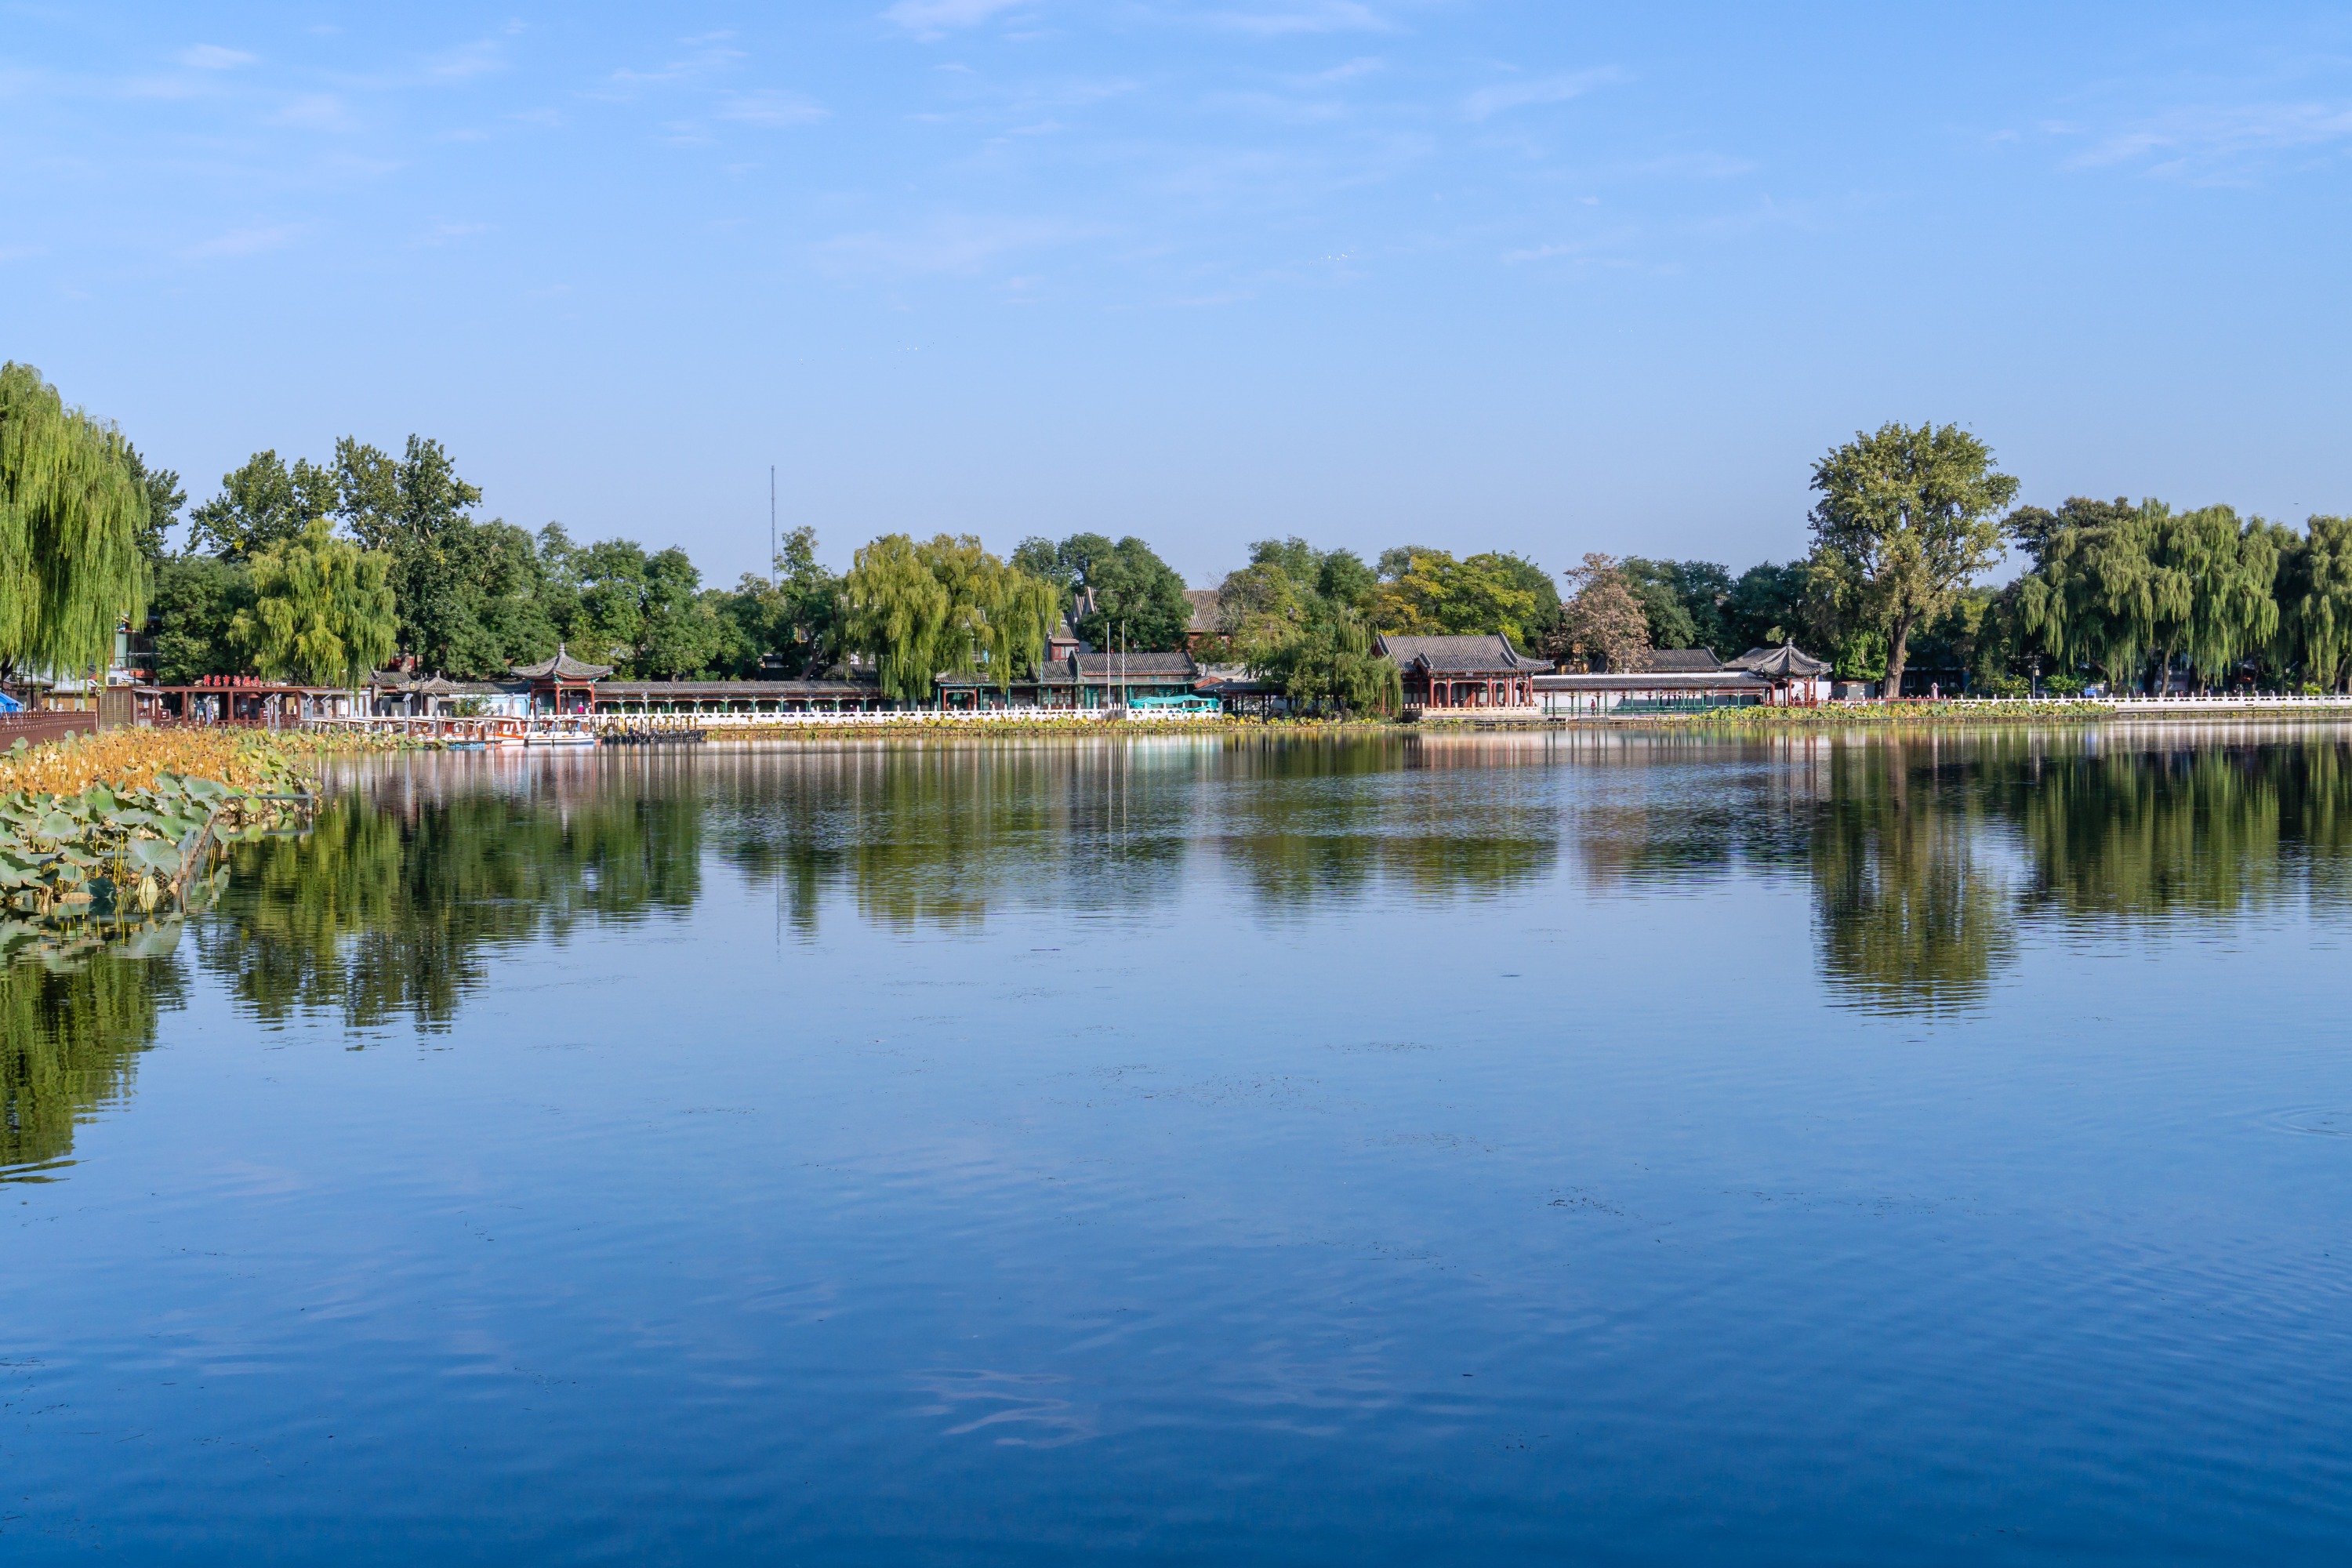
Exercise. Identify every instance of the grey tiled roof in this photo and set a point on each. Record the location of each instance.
(1785, 661)
(1137, 666)
(1204, 609)
(1683, 661)
(562, 667)
(752, 689)
(1491, 654)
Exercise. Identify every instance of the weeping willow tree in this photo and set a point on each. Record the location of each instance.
(2232, 572)
(1326, 659)
(2322, 610)
(323, 609)
(2103, 596)
(945, 607)
(2143, 587)
(72, 514)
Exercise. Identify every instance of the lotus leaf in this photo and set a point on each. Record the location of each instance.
(154, 854)
(58, 824)
(98, 800)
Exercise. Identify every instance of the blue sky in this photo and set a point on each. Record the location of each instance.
(1544, 276)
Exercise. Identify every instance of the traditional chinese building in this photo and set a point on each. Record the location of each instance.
(1081, 680)
(563, 684)
(1445, 673)
(1681, 679)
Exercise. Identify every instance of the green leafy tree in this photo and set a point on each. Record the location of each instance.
(262, 504)
(2323, 606)
(195, 601)
(791, 623)
(944, 606)
(1110, 591)
(1685, 603)
(683, 632)
(2231, 570)
(1765, 608)
(164, 500)
(1911, 515)
(72, 518)
(609, 623)
(1327, 660)
(2101, 595)
(1436, 594)
(1294, 617)
(412, 509)
(1051, 563)
(323, 609)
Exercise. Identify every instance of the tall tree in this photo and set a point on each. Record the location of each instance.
(1436, 594)
(71, 516)
(1765, 608)
(944, 606)
(1912, 514)
(2231, 570)
(1605, 627)
(194, 604)
(262, 503)
(1685, 603)
(1123, 593)
(2102, 595)
(413, 508)
(2322, 608)
(164, 500)
(1326, 660)
(323, 609)
(1294, 617)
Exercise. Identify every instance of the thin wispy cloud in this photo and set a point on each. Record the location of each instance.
(768, 108)
(960, 245)
(1504, 97)
(2217, 143)
(213, 57)
(1284, 21)
(1351, 70)
(239, 242)
(467, 60)
(937, 18)
(317, 112)
(700, 66)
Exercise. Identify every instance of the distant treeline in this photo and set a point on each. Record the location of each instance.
(326, 570)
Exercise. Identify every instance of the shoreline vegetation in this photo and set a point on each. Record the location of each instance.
(111, 840)
(1921, 713)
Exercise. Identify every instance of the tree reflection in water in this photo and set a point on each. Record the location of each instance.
(1928, 856)
(1927, 860)
(67, 1045)
(394, 904)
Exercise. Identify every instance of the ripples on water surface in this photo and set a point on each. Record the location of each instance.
(1407, 1149)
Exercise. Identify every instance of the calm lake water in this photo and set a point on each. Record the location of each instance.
(1410, 1149)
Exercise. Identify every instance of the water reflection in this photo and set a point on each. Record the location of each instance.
(1912, 913)
(393, 905)
(1925, 859)
(1928, 855)
(68, 1043)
